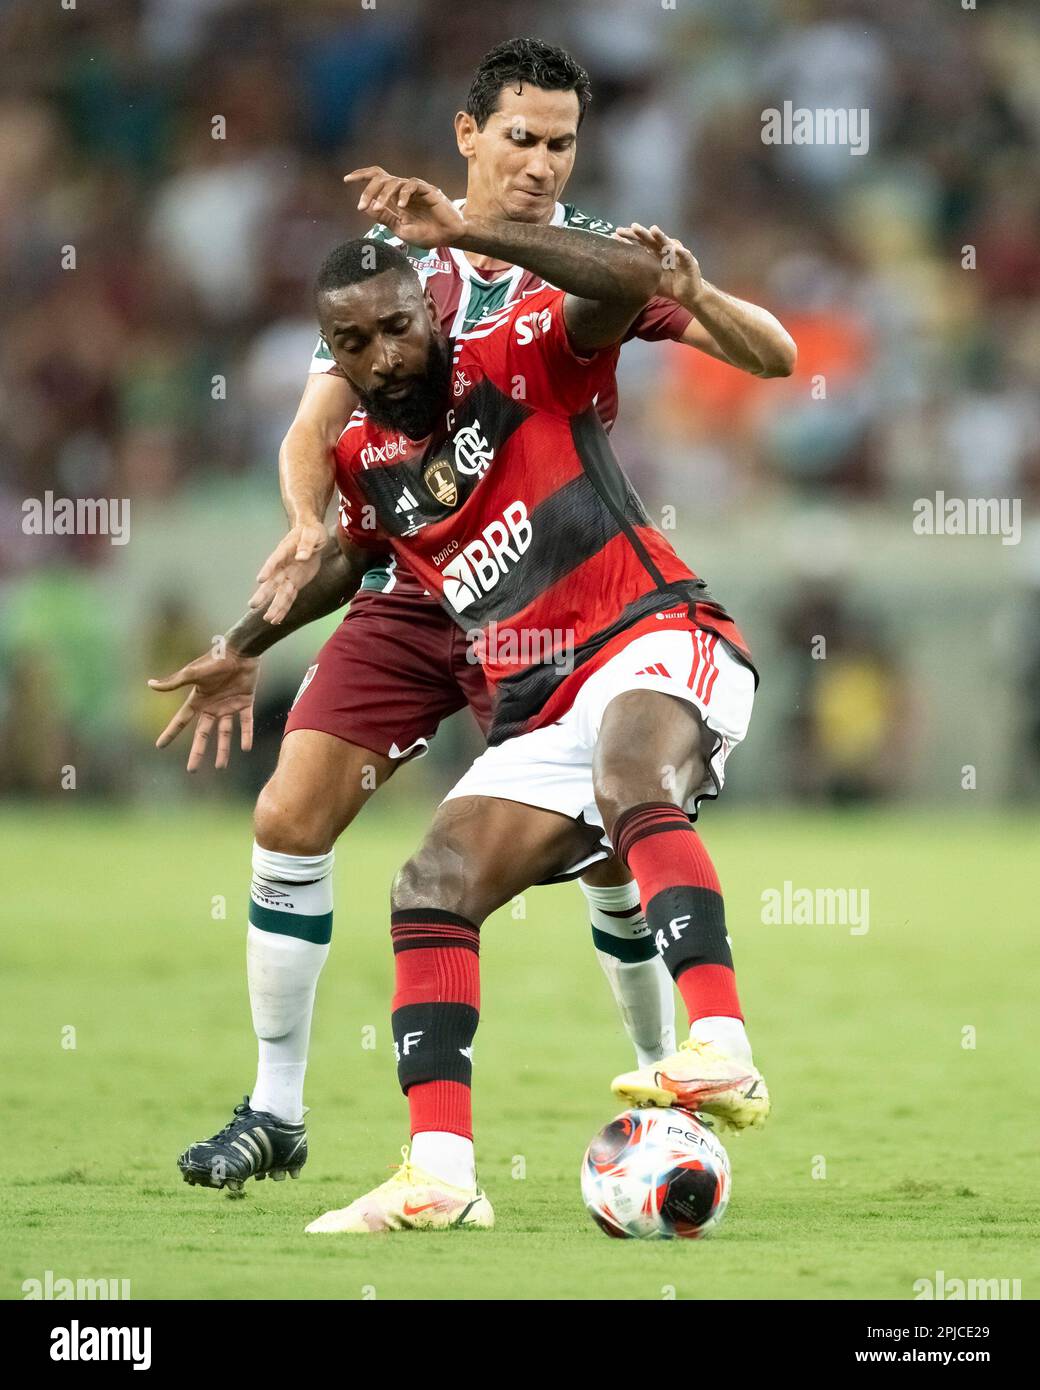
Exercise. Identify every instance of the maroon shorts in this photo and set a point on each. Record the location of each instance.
(393, 669)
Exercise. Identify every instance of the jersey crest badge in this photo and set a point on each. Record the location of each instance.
(439, 477)
(473, 453)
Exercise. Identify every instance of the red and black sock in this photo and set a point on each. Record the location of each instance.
(682, 899)
(435, 1012)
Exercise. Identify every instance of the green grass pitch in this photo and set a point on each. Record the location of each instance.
(894, 1150)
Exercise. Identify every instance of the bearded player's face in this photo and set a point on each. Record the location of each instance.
(522, 159)
(381, 334)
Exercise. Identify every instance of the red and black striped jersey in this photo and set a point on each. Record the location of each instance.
(463, 295)
(516, 515)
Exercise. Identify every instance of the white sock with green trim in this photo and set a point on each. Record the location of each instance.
(638, 976)
(290, 924)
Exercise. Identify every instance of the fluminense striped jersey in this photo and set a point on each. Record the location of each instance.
(516, 515)
(464, 296)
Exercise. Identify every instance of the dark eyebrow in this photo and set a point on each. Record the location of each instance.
(511, 134)
(349, 327)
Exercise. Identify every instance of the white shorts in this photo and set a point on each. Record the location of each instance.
(551, 767)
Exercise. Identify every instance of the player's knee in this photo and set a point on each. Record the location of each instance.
(617, 793)
(286, 826)
(431, 879)
(626, 782)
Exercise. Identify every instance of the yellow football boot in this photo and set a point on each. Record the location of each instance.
(412, 1200)
(700, 1076)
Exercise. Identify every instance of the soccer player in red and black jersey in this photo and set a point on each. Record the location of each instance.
(484, 465)
(397, 665)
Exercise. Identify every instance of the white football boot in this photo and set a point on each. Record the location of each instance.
(701, 1077)
(412, 1200)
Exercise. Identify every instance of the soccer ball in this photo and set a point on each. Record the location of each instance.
(654, 1175)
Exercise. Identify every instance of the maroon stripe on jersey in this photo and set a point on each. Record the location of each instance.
(446, 292)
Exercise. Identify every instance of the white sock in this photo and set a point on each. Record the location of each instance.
(638, 976)
(290, 922)
(447, 1156)
(729, 1033)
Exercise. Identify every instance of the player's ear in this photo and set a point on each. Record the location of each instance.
(465, 133)
(431, 309)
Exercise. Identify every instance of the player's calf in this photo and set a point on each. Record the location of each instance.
(652, 754)
(478, 853)
(317, 789)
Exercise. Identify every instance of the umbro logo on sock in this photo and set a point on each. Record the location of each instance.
(263, 890)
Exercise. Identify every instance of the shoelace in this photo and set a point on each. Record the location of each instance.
(239, 1112)
(403, 1171)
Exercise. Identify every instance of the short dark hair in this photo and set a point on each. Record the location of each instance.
(516, 61)
(357, 260)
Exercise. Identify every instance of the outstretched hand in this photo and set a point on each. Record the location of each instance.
(300, 542)
(413, 209)
(681, 278)
(222, 685)
(277, 592)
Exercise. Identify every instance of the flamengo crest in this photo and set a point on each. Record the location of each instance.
(473, 453)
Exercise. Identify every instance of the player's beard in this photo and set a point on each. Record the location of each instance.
(415, 415)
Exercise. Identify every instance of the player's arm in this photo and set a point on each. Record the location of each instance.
(223, 681)
(604, 291)
(730, 329)
(606, 282)
(306, 469)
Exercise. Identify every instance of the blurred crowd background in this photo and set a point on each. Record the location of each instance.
(166, 365)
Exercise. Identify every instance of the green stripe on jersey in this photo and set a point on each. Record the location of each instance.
(483, 300)
(376, 579)
(314, 928)
(574, 217)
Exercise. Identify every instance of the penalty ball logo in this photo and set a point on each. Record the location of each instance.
(480, 565)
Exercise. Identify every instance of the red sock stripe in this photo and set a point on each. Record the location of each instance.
(441, 1105)
(422, 928)
(649, 818)
(662, 849)
(437, 975)
(407, 935)
(709, 991)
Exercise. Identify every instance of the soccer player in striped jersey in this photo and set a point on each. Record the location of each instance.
(396, 666)
(505, 499)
